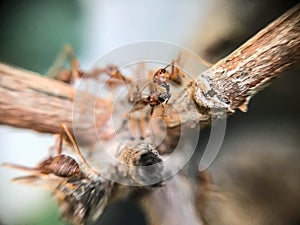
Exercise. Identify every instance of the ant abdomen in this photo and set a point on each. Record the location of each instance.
(60, 165)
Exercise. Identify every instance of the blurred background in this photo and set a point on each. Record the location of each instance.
(258, 163)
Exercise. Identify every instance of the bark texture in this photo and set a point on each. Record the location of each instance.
(232, 81)
(29, 100)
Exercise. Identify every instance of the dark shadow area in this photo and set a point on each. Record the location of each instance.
(122, 212)
(33, 32)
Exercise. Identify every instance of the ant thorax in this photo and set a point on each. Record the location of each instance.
(144, 109)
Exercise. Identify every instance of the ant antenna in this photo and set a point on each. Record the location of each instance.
(174, 61)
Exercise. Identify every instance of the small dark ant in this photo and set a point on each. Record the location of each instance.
(163, 76)
(160, 91)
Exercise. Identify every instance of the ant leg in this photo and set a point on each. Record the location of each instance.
(196, 57)
(176, 74)
(26, 179)
(46, 182)
(142, 125)
(114, 73)
(65, 53)
(57, 70)
(205, 62)
(168, 98)
(18, 167)
(75, 69)
(152, 110)
(54, 148)
(60, 142)
(76, 148)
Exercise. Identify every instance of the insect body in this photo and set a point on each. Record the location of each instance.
(59, 165)
(141, 165)
(156, 93)
(81, 194)
(152, 99)
(165, 95)
(161, 76)
(82, 199)
(162, 91)
(159, 91)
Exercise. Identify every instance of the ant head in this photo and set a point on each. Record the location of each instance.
(152, 93)
(110, 69)
(170, 64)
(163, 73)
(163, 70)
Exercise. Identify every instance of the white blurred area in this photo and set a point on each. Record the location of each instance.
(27, 148)
(106, 24)
(110, 24)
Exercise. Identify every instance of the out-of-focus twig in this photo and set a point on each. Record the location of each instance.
(29, 100)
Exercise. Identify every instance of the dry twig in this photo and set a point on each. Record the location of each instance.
(29, 100)
(231, 82)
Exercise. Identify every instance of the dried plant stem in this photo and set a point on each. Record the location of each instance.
(232, 81)
(228, 85)
(29, 100)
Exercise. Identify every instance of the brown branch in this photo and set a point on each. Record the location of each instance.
(232, 81)
(227, 85)
(29, 100)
